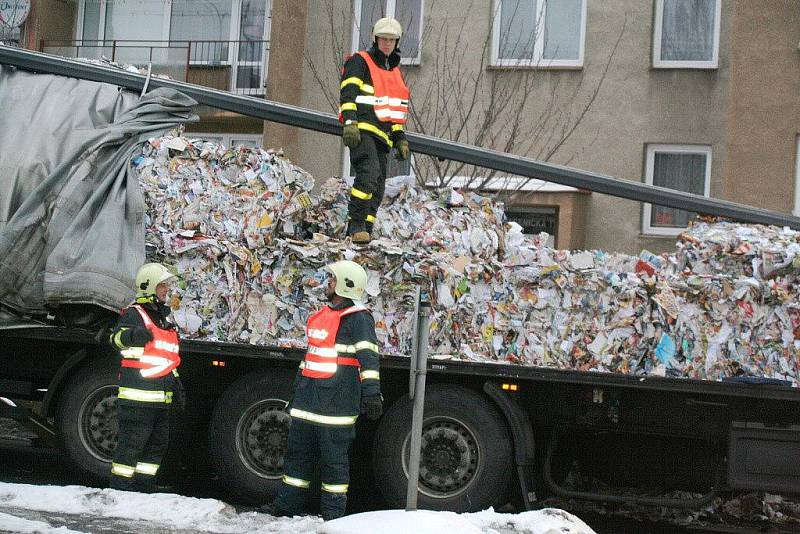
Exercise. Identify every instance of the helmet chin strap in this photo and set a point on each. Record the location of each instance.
(336, 299)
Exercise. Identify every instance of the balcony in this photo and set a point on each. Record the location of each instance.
(235, 66)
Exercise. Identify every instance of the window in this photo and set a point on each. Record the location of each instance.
(681, 167)
(229, 139)
(538, 33)
(222, 32)
(407, 12)
(536, 219)
(686, 34)
(796, 211)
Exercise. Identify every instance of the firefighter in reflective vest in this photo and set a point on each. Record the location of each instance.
(148, 378)
(373, 106)
(338, 379)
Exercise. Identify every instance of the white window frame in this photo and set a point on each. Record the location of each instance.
(226, 138)
(647, 208)
(538, 47)
(658, 63)
(796, 211)
(233, 51)
(389, 12)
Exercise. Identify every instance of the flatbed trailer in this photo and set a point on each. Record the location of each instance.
(493, 432)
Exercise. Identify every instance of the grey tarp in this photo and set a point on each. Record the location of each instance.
(71, 210)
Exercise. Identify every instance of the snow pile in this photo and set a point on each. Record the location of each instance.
(245, 232)
(138, 512)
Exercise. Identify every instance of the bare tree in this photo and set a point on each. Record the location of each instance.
(458, 95)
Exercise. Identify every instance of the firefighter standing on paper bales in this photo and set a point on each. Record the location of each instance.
(373, 108)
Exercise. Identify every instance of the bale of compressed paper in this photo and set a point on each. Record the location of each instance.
(249, 237)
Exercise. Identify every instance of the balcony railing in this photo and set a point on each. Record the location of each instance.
(235, 66)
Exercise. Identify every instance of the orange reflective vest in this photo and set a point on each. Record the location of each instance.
(322, 356)
(159, 357)
(390, 101)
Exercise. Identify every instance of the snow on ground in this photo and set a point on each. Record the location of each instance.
(57, 509)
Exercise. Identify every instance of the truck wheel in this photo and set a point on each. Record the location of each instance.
(247, 435)
(86, 418)
(466, 457)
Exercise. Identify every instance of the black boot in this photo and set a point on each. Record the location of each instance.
(357, 231)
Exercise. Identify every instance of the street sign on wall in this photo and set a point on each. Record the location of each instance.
(14, 12)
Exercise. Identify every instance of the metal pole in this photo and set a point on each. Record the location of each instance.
(327, 123)
(423, 324)
(414, 346)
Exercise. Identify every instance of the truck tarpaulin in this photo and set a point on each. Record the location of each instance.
(71, 210)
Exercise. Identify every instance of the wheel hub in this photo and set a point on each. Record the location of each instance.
(262, 436)
(98, 423)
(448, 457)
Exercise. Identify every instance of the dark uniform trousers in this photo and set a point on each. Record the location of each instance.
(309, 444)
(146, 434)
(368, 162)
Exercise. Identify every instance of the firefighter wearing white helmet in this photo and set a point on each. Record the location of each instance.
(387, 27)
(148, 380)
(373, 107)
(338, 379)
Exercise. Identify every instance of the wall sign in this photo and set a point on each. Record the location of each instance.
(14, 12)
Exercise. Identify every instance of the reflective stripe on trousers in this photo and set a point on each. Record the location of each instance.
(332, 420)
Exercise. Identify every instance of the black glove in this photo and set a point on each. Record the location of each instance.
(372, 406)
(179, 395)
(140, 337)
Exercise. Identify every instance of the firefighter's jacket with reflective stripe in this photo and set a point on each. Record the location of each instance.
(358, 95)
(147, 373)
(331, 394)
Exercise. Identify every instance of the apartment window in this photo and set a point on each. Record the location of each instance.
(681, 167)
(222, 32)
(407, 12)
(538, 33)
(536, 219)
(229, 140)
(686, 34)
(796, 211)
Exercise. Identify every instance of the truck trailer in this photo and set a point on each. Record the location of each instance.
(493, 433)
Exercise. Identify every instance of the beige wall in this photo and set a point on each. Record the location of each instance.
(634, 104)
(284, 74)
(327, 29)
(764, 112)
(747, 109)
(49, 20)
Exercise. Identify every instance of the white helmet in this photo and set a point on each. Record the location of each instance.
(148, 278)
(387, 27)
(351, 279)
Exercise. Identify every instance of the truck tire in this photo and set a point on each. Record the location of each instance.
(247, 435)
(466, 458)
(86, 418)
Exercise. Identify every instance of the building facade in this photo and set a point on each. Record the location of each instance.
(696, 95)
